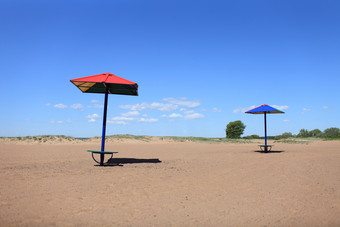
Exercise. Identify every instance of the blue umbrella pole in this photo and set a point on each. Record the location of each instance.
(104, 127)
(265, 131)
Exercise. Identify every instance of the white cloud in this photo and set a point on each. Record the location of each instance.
(216, 110)
(286, 120)
(305, 110)
(138, 107)
(131, 113)
(193, 116)
(96, 104)
(47, 104)
(175, 115)
(186, 111)
(148, 120)
(183, 102)
(60, 106)
(149, 106)
(164, 107)
(243, 109)
(77, 106)
(99, 106)
(327, 107)
(117, 122)
(61, 122)
(93, 117)
(122, 119)
(280, 107)
(188, 115)
(172, 105)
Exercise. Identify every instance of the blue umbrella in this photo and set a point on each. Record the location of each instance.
(264, 109)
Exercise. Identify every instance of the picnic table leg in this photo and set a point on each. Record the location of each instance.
(95, 159)
(100, 155)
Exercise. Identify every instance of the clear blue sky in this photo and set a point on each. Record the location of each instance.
(198, 64)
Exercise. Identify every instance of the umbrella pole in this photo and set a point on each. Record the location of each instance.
(104, 127)
(265, 131)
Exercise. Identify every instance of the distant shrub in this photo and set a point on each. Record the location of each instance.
(252, 137)
(284, 135)
(331, 133)
(304, 133)
(315, 133)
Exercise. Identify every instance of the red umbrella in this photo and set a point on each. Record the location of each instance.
(106, 83)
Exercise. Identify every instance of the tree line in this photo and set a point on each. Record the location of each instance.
(235, 129)
(329, 133)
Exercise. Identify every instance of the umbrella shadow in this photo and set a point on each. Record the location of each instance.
(121, 161)
(267, 152)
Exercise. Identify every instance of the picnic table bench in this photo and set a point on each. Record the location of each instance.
(101, 152)
(265, 147)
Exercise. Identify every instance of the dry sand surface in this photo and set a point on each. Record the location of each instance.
(196, 184)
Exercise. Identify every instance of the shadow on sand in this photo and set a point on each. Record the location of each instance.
(120, 161)
(268, 152)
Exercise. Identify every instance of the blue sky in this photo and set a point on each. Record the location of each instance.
(198, 64)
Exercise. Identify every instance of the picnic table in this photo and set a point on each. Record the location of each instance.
(265, 147)
(101, 153)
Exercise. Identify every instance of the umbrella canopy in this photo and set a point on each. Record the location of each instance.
(105, 83)
(264, 109)
(101, 82)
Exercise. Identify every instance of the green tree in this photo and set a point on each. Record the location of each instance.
(315, 133)
(235, 129)
(304, 133)
(331, 133)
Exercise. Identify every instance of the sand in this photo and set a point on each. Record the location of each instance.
(196, 184)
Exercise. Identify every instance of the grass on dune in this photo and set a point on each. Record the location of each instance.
(127, 136)
(205, 139)
(43, 138)
(292, 141)
(62, 138)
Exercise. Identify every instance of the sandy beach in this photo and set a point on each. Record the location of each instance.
(195, 184)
